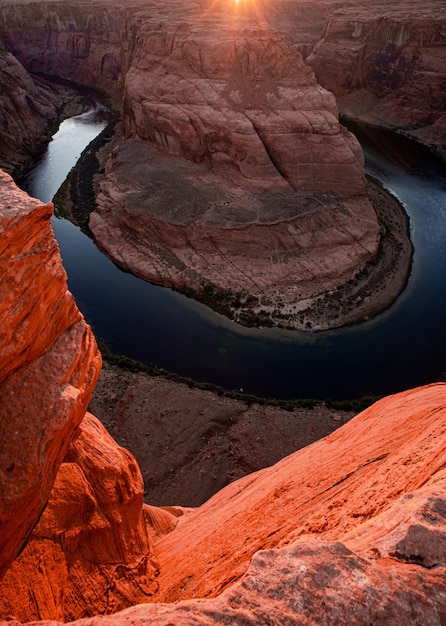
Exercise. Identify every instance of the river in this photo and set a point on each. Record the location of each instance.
(401, 348)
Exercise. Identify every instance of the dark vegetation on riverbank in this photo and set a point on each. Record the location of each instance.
(133, 366)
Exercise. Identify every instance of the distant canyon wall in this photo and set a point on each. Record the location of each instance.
(385, 62)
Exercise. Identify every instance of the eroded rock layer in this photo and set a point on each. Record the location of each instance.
(49, 363)
(385, 62)
(90, 552)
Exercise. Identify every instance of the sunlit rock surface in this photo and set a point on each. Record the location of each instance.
(351, 527)
(49, 363)
(90, 552)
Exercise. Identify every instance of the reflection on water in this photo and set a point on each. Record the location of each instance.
(399, 349)
(63, 151)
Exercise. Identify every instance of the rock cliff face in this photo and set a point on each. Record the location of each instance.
(49, 363)
(90, 552)
(67, 490)
(26, 107)
(353, 525)
(385, 62)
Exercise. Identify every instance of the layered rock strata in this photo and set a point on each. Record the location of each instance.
(262, 193)
(71, 509)
(49, 363)
(385, 62)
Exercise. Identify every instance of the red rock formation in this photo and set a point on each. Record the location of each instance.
(383, 61)
(49, 363)
(90, 553)
(271, 199)
(196, 228)
(352, 527)
(329, 489)
(68, 41)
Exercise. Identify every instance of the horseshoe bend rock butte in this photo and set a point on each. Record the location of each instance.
(263, 191)
(257, 188)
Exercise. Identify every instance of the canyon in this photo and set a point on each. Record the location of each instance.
(352, 526)
(267, 204)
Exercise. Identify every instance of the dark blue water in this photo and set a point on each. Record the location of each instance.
(402, 348)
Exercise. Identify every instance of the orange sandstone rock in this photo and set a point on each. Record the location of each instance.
(90, 551)
(350, 530)
(327, 489)
(49, 363)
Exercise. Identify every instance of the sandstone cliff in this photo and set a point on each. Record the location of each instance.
(354, 524)
(48, 366)
(222, 88)
(67, 490)
(385, 62)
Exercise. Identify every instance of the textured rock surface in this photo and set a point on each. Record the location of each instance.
(350, 529)
(90, 551)
(385, 62)
(310, 582)
(176, 224)
(26, 108)
(264, 188)
(327, 489)
(49, 363)
(190, 443)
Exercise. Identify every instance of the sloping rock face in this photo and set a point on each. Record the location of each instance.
(90, 552)
(26, 108)
(329, 489)
(49, 363)
(350, 529)
(263, 192)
